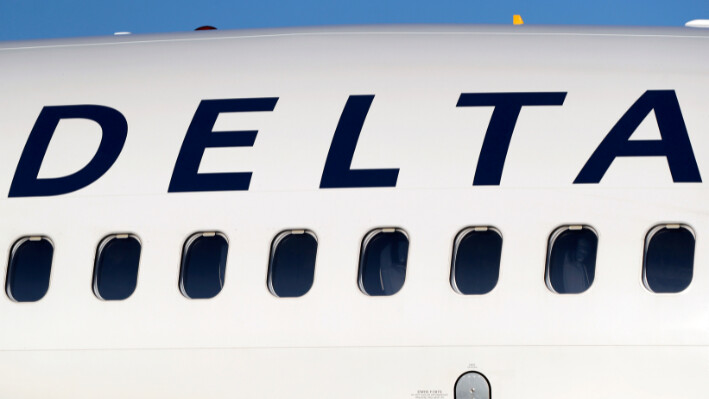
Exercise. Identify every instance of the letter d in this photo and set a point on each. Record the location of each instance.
(114, 130)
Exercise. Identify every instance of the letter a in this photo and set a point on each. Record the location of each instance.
(674, 145)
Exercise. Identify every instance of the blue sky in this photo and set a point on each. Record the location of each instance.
(33, 19)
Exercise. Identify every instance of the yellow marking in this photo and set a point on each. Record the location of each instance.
(517, 20)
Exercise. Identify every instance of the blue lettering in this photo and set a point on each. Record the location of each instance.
(499, 132)
(114, 130)
(185, 176)
(674, 145)
(337, 172)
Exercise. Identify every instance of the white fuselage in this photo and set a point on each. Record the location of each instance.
(616, 340)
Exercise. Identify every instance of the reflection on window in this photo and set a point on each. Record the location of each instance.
(292, 265)
(382, 268)
(476, 260)
(571, 263)
(669, 258)
(116, 269)
(29, 269)
(203, 265)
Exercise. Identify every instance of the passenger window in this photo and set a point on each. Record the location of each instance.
(669, 258)
(29, 269)
(476, 260)
(116, 268)
(203, 265)
(571, 259)
(382, 268)
(292, 266)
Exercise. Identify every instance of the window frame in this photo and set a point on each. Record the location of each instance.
(99, 249)
(13, 250)
(456, 244)
(274, 245)
(188, 242)
(648, 237)
(550, 246)
(365, 241)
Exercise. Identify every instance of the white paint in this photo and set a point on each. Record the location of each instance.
(617, 339)
(698, 23)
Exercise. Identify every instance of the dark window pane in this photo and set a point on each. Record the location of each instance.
(30, 266)
(382, 269)
(292, 264)
(116, 270)
(203, 265)
(571, 266)
(476, 264)
(669, 259)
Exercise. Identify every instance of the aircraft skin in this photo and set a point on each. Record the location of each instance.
(615, 340)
